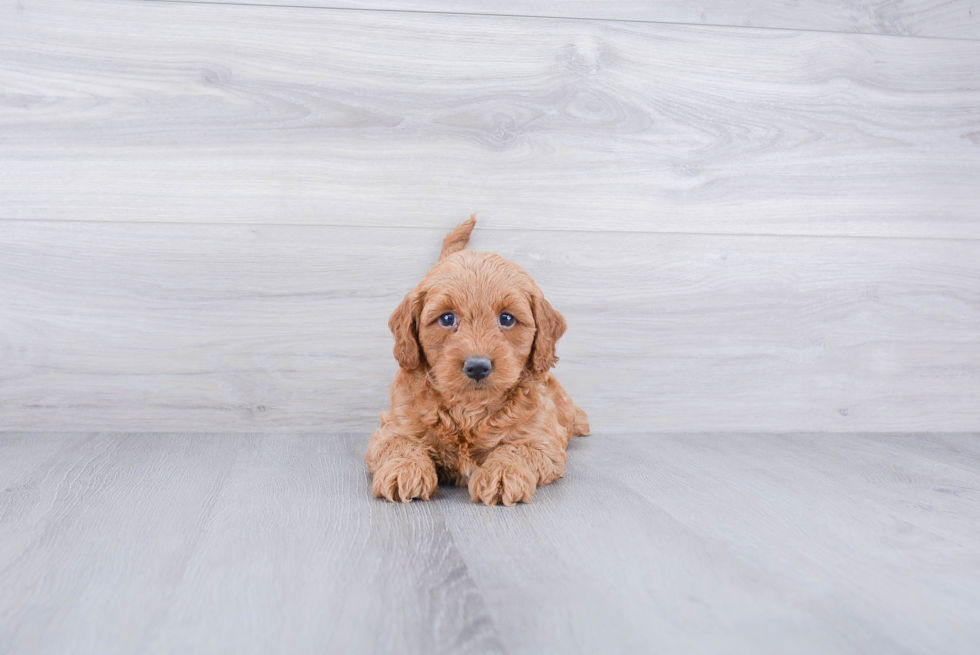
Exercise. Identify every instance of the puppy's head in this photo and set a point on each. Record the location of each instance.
(477, 323)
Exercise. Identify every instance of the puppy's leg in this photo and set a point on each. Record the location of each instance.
(401, 466)
(570, 415)
(580, 426)
(511, 472)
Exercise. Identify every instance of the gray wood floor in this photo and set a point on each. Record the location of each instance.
(670, 543)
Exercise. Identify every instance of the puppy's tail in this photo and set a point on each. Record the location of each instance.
(458, 238)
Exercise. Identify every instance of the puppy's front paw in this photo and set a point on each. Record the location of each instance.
(402, 479)
(503, 482)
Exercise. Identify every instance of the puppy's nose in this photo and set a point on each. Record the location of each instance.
(477, 367)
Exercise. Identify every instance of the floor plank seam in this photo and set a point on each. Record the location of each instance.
(355, 443)
(467, 575)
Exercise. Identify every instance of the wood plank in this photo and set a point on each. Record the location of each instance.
(752, 543)
(693, 543)
(248, 114)
(270, 328)
(936, 18)
(141, 543)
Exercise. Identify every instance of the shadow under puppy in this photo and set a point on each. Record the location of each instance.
(474, 401)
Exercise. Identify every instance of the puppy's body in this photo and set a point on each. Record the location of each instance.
(501, 429)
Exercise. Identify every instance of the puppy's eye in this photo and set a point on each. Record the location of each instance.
(506, 320)
(447, 320)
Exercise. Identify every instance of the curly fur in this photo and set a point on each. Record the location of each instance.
(502, 436)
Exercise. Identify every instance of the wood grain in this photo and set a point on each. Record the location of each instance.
(270, 328)
(148, 111)
(697, 543)
(733, 543)
(222, 543)
(936, 18)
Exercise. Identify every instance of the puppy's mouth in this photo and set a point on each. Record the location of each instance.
(478, 384)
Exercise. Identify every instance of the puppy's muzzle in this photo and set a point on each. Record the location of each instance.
(477, 367)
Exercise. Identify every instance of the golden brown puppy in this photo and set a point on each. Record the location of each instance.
(474, 401)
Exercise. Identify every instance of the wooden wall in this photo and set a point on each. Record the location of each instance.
(759, 217)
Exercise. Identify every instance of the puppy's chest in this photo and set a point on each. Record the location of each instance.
(458, 451)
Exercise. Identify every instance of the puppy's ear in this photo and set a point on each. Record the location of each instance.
(550, 326)
(404, 324)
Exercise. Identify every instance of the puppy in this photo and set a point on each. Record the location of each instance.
(474, 402)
